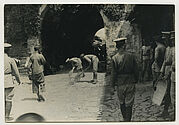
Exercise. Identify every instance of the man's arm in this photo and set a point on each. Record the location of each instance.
(27, 62)
(43, 59)
(162, 70)
(15, 71)
(136, 70)
(113, 74)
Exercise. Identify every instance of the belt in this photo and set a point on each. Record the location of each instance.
(7, 73)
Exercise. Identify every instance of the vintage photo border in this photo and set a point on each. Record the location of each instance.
(3, 2)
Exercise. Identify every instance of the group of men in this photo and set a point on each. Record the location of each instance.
(125, 72)
(77, 64)
(34, 63)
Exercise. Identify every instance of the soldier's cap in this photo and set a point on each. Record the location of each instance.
(67, 60)
(120, 41)
(165, 34)
(7, 45)
(172, 35)
(82, 55)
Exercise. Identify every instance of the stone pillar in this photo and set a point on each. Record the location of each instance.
(121, 28)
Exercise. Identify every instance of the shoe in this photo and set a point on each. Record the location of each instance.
(83, 75)
(9, 118)
(165, 114)
(42, 98)
(94, 82)
(39, 100)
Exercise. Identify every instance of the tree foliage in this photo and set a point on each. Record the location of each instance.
(21, 22)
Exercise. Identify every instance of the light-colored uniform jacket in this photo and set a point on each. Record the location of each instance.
(10, 70)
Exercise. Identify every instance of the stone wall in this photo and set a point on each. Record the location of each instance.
(121, 28)
(115, 26)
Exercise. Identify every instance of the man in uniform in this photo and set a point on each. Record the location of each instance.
(92, 60)
(36, 64)
(10, 70)
(146, 51)
(158, 59)
(173, 90)
(166, 73)
(76, 64)
(124, 76)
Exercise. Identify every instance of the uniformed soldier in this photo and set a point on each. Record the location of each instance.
(166, 72)
(173, 90)
(36, 64)
(10, 69)
(158, 59)
(124, 76)
(76, 64)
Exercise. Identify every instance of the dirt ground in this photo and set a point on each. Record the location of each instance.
(83, 101)
(64, 102)
(143, 109)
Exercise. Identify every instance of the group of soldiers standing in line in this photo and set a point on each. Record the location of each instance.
(125, 72)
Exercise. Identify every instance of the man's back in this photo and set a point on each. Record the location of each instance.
(125, 63)
(159, 56)
(38, 61)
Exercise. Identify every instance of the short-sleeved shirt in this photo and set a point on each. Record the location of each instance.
(37, 61)
(159, 57)
(76, 62)
(10, 69)
(124, 64)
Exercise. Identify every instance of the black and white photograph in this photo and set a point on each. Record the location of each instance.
(89, 63)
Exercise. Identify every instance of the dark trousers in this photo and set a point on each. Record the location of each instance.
(126, 112)
(146, 69)
(155, 77)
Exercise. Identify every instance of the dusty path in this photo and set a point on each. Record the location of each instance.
(64, 102)
(84, 102)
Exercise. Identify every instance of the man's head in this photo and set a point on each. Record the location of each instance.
(166, 37)
(158, 39)
(7, 47)
(172, 38)
(120, 42)
(82, 55)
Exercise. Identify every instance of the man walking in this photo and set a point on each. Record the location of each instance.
(37, 61)
(10, 69)
(92, 60)
(124, 76)
(76, 65)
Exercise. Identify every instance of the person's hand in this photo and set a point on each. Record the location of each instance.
(165, 77)
(20, 83)
(161, 76)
